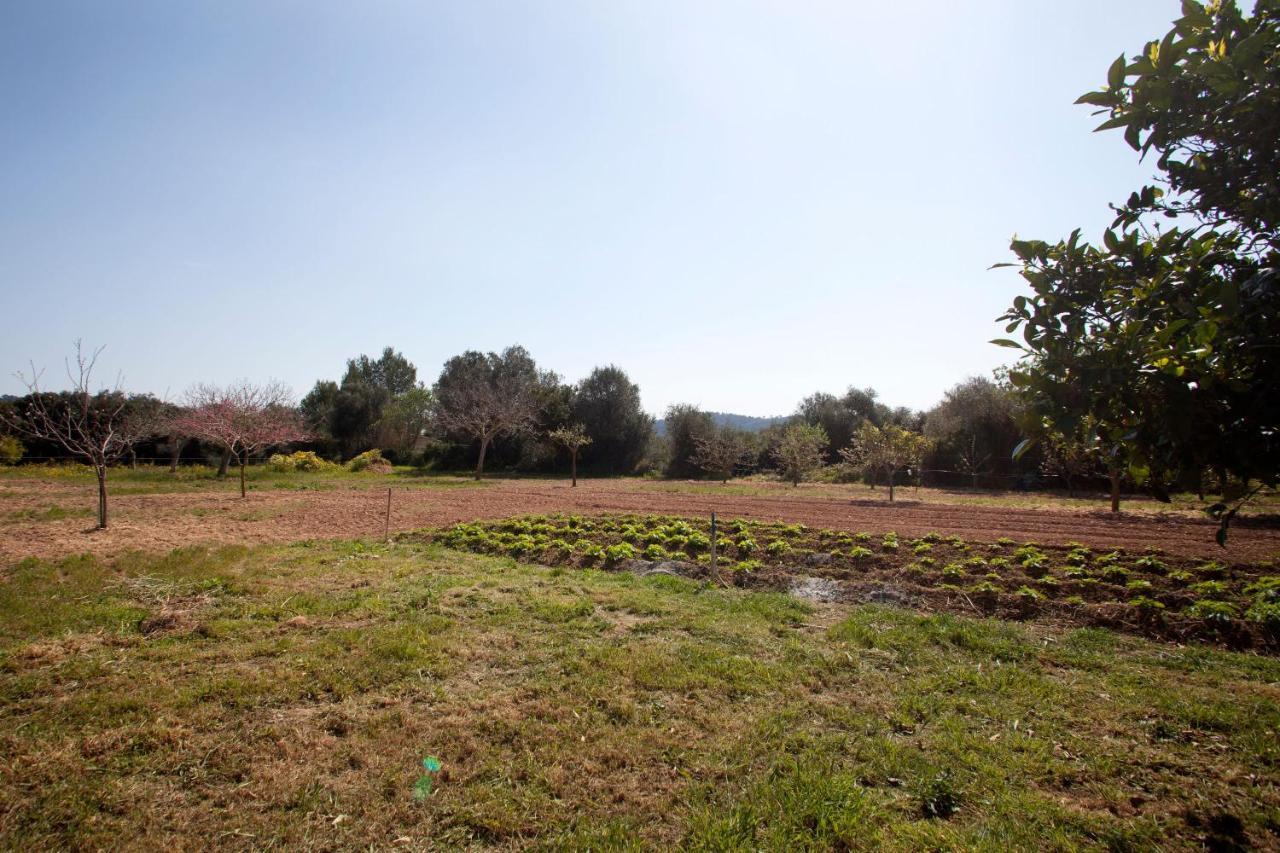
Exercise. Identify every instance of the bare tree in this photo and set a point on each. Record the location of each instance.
(721, 452)
(573, 439)
(87, 424)
(484, 396)
(143, 418)
(241, 418)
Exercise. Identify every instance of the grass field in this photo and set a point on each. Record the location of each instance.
(287, 695)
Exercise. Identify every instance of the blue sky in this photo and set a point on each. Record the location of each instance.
(738, 202)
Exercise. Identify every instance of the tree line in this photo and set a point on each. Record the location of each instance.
(502, 409)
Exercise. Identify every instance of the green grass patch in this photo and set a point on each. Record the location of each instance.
(287, 696)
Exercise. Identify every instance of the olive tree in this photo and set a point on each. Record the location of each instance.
(799, 451)
(486, 395)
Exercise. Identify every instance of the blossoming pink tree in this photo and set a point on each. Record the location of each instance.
(241, 418)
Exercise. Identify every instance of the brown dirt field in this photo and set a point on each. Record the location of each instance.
(159, 522)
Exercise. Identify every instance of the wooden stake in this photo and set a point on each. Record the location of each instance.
(715, 573)
(387, 531)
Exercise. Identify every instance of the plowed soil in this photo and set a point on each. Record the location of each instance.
(157, 522)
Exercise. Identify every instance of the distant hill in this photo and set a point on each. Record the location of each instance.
(750, 423)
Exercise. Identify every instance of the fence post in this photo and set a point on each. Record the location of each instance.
(715, 572)
(387, 530)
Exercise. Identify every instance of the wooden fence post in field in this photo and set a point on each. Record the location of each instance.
(387, 530)
(715, 573)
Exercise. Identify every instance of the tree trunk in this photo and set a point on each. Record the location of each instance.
(573, 467)
(484, 447)
(102, 497)
(175, 453)
(224, 464)
(892, 472)
(133, 458)
(1114, 471)
(243, 456)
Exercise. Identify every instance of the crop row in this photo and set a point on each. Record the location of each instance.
(1150, 584)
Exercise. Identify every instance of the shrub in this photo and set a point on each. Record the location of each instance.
(746, 545)
(1026, 593)
(778, 548)
(370, 460)
(1138, 585)
(889, 542)
(952, 572)
(747, 566)
(860, 553)
(1004, 541)
(931, 537)
(862, 537)
(11, 450)
(922, 548)
(303, 461)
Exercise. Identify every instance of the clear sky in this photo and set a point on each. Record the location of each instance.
(739, 203)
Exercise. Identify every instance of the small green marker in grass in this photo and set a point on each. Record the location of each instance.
(422, 788)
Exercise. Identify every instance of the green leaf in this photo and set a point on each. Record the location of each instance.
(1098, 99)
(1005, 342)
(1022, 447)
(422, 788)
(1115, 74)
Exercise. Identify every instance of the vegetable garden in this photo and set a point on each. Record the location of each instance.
(1146, 592)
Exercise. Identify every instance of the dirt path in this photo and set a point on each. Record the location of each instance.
(164, 521)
